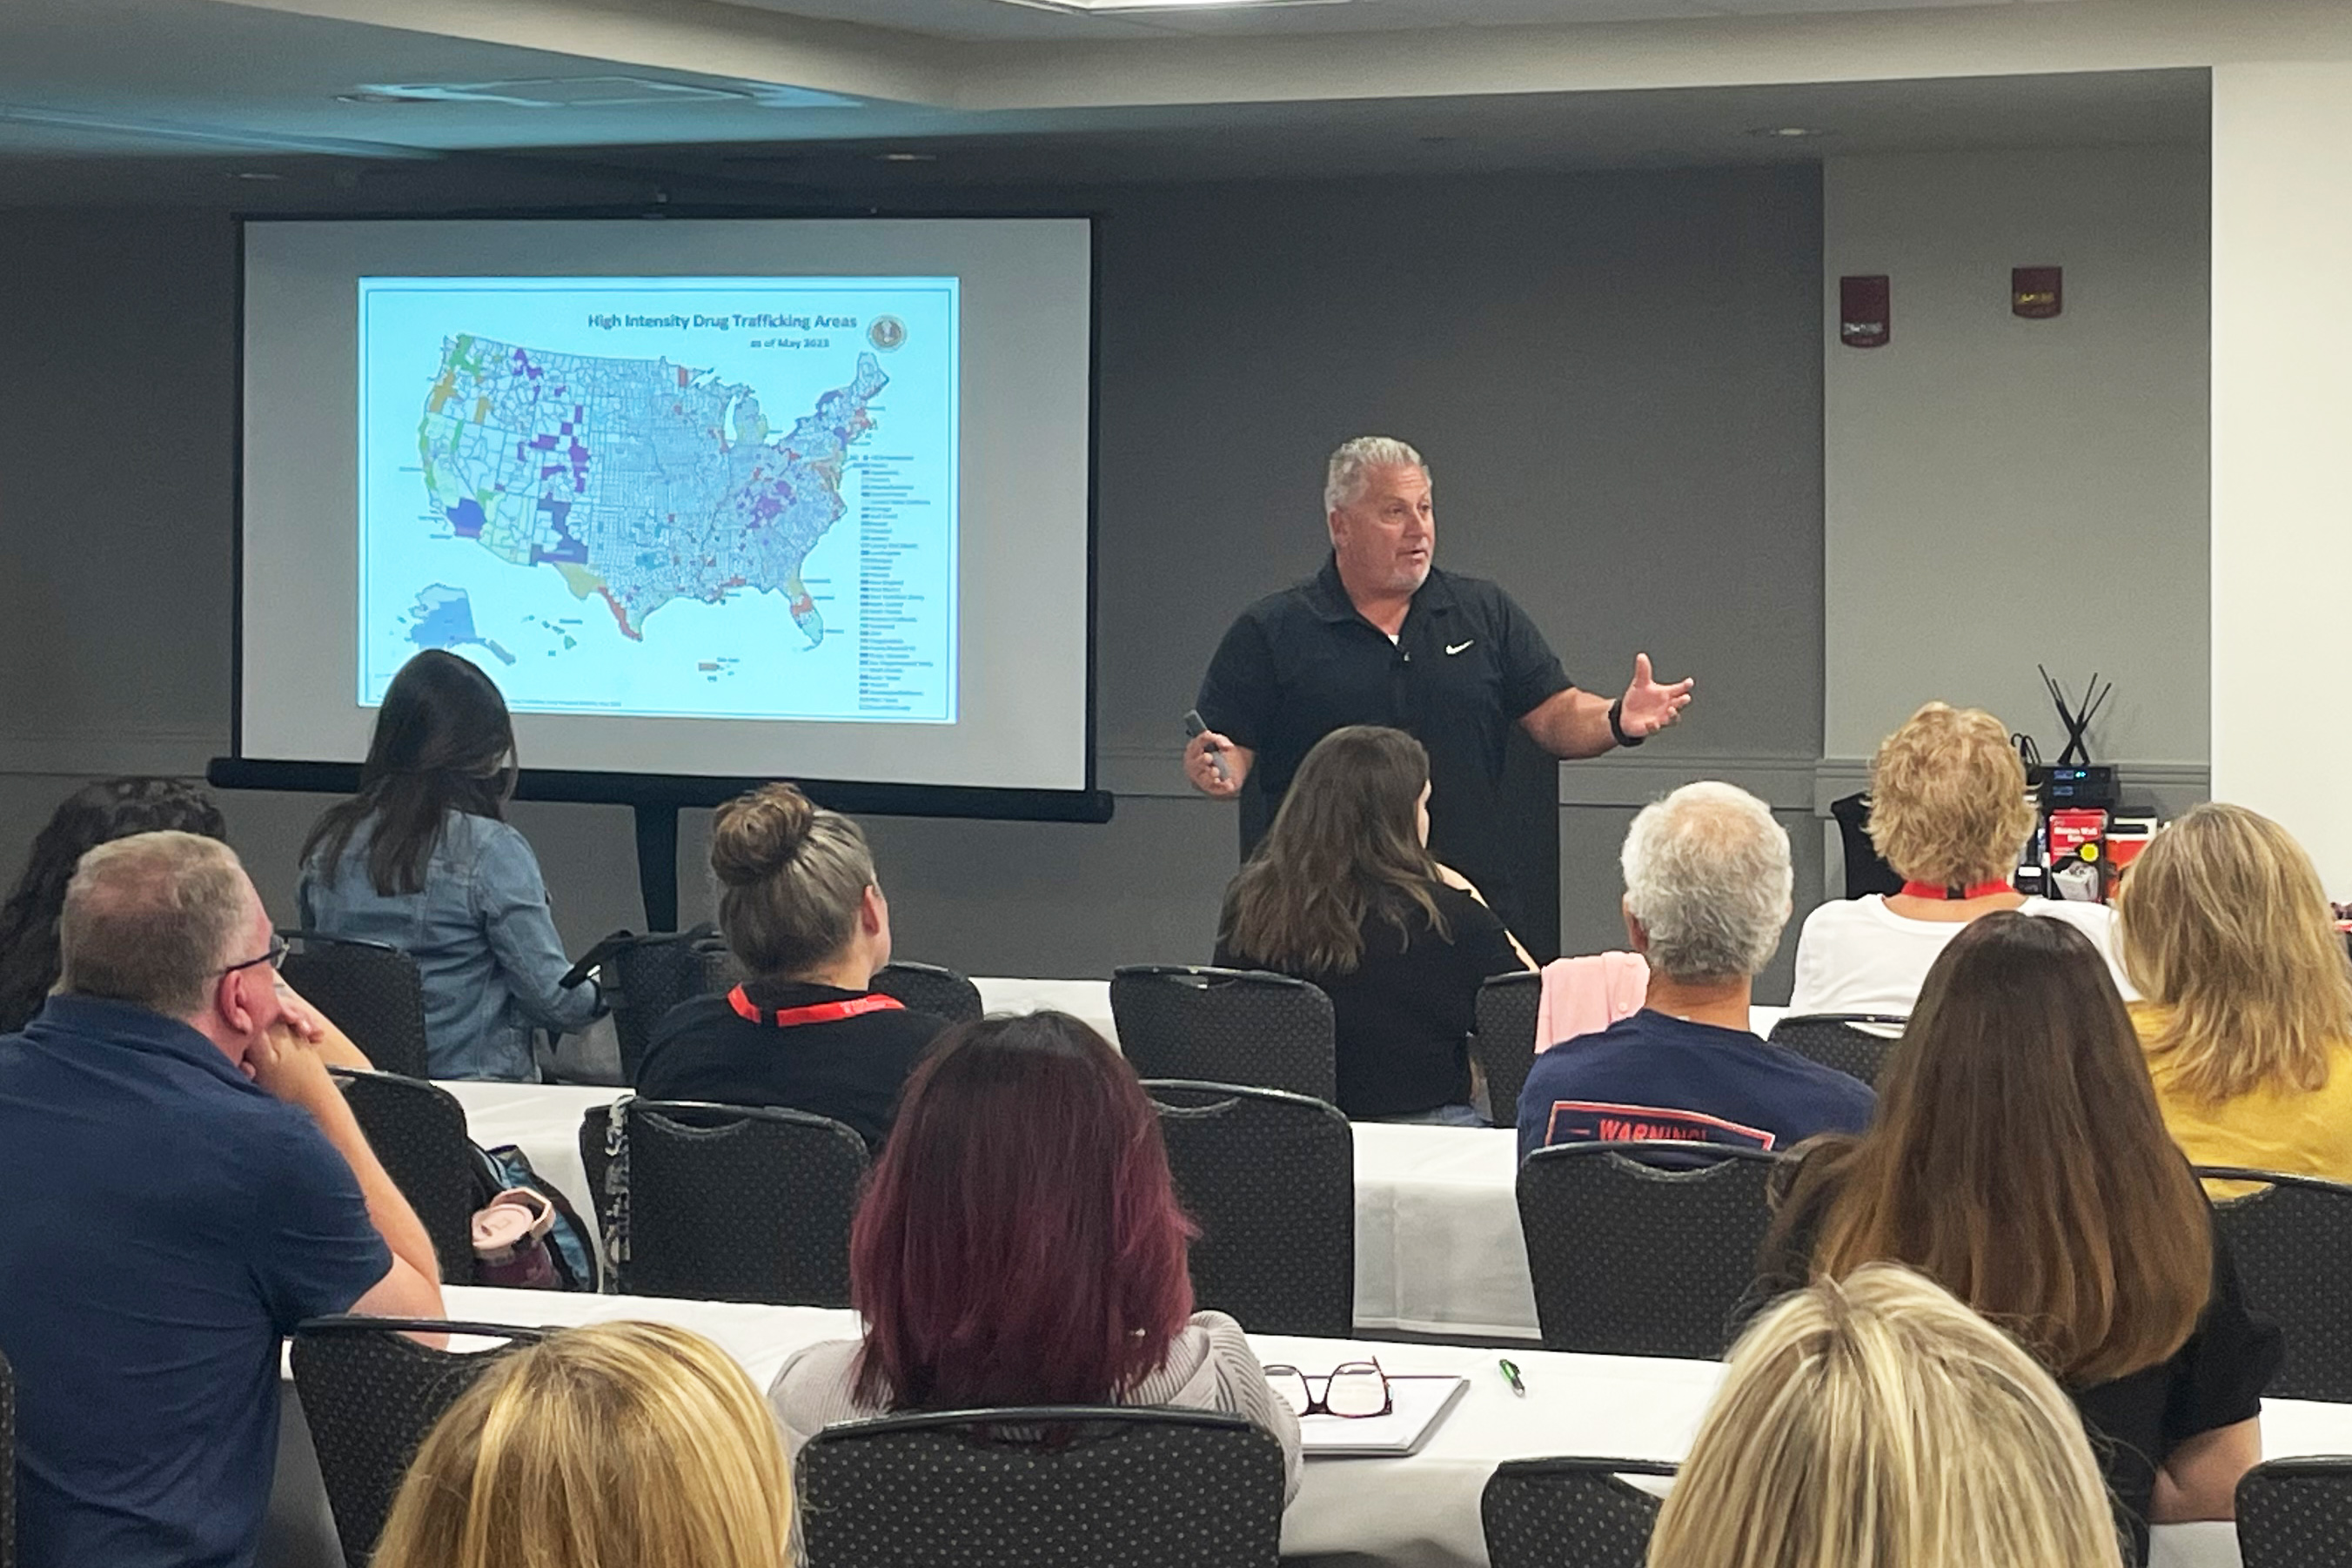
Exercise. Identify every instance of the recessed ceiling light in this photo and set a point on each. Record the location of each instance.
(1101, 8)
(908, 157)
(258, 175)
(1791, 132)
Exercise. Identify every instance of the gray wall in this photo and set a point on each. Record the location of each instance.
(1616, 379)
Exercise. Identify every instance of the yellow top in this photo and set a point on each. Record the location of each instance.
(2300, 1133)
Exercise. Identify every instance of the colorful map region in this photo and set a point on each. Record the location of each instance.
(640, 480)
(442, 617)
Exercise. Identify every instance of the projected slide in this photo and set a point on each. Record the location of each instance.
(710, 497)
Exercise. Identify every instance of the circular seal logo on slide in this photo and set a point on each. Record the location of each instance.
(886, 332)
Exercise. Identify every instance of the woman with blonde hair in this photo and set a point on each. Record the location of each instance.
(633, 1444)
(2248, 1023)
(1878, 1423)
(1949, 812)
(804, 915)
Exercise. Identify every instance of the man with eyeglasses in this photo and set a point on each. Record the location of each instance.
(180, 1184)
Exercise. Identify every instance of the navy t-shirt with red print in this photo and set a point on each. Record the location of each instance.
(1653, 1076)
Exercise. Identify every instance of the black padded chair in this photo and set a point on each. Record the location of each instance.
(7, 1464)
(1021, 1489)
(1837, 1040)
(372, 992)
(1504, 1039)
(1225, 1025)
(1271, 1178)
(370, 1395)
(595, 1162)
(1637, 1257)
(645, 976)
(2293, 1243)
(928, 988)
(1568, 1514)
(733, 1202)
(419, 1130)
(2296, 1514)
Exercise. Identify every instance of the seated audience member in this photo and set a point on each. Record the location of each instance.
(1880, 1422)
(183, 1184)
(2247, 1023)
(91, 816)
(1020, 1244)
(2019, 1161)
(803, 915)
(1949, 812)
(1344, 893)
(621, 1444)
(422, 859)
(1706, 895)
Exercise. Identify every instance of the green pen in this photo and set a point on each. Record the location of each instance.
(1511, 1375)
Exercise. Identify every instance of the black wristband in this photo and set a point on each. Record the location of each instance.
(1618, 730)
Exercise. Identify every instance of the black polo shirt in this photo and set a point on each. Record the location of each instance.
(1467, 663)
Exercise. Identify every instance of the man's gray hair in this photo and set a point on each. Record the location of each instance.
(1706, 874)
(152, 920)
(1352, 464)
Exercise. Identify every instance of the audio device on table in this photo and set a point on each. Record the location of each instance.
(2084, 837)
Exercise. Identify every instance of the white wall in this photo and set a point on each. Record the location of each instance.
(2001, 492)
(2282, 413)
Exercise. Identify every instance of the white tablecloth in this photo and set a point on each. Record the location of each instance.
(1086, 1000)
(1437, 1226)
(1419, 1512)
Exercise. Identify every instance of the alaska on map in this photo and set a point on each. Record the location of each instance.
(639, 480)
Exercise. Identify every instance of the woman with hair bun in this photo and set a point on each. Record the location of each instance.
(801, 912)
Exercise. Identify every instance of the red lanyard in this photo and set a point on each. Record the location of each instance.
(815, 1013)
(1973, 891)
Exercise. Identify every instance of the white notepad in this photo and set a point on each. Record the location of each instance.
(1417, 1403)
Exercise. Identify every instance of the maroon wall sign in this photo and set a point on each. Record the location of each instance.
(2037, 293)
(1865, 314)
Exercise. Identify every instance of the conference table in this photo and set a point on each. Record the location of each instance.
(1418, 1511)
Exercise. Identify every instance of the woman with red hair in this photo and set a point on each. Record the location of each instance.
(1021, 1243)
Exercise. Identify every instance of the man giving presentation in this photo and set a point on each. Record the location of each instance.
(1381, 637)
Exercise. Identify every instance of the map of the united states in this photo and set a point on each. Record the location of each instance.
(638, 480)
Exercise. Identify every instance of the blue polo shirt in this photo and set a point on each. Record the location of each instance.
(163, 1222)
(1656, 1075)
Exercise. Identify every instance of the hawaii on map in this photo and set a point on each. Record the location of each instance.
(756, 520)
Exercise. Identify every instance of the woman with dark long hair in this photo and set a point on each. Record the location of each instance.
(2019, 1160)
(93, 814)
(1020, 1244)
(423, 859)
(1345, 893)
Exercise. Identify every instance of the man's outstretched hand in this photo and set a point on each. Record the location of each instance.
(1647, 706)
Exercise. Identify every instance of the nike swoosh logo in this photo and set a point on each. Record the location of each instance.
(1451, 648)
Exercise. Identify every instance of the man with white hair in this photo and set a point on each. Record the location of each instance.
(180, 1184)
(1706, 895)
(1381, 637)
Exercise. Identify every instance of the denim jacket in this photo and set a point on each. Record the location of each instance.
(481, 934)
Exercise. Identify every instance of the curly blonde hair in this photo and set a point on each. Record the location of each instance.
(1947, 801)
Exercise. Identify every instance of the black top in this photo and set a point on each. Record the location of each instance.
(2215, 1380)
(1403, 1015)
(1466, 665)
(848, 1068)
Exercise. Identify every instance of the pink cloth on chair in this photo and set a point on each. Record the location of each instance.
(1585, 995)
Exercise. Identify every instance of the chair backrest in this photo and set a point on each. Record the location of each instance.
(372, 989)
(1505, 1039)
(2293, 1243)
(1839, 1040)
(928, 988)
(1866, 870)
(596, 1162)
(1568, 1514)
(2296, 1514)
(647, 976)
(1270, 1179)
(1225, 1025)
(731, 1203)
(7, 1464)
(419, 1130)
(369, 1395)
(1632, 1258)
(1017, 1488)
